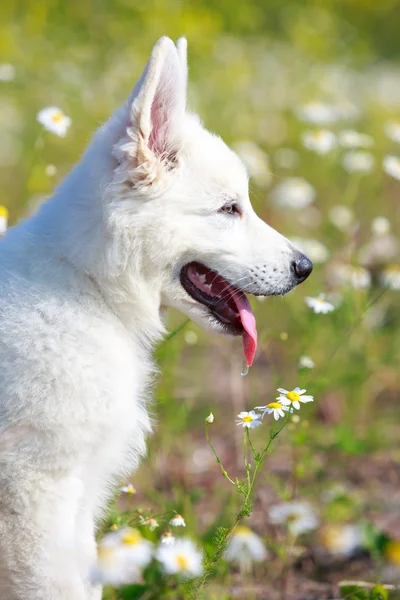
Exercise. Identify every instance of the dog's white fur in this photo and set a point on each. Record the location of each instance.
(83, 287)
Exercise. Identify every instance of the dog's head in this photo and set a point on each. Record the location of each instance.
(182, 195)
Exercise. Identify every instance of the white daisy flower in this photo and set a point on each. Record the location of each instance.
(319, 304)
(248, 419)
(191, 337)
(121, 556)
(167, 538)
(341, 540)
(177, 521)
(299, 517)
(245, 547)
(210, 419)
(317, 113)
(128, 489)
(390, 277)
(180, 558)
(358, 161)
(355, 276)
(380, 226)
(293, 398)
(50, 170)
(286, 158)
(151, 523)
(273, 408)
(53, 119)
(392, 130)
(293, 192)
(3, 220)
(306, 362)
(341, 217)
(256, 161)
(321, 141)
(349, 138)
(391, 165)
(315, 250)
(7, 72)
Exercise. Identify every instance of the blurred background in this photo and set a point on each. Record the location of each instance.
(308, 93)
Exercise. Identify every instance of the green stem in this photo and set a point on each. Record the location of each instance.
(224, 473)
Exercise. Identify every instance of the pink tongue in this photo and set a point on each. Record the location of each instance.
(249, 334)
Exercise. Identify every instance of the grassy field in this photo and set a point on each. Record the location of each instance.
(308, 93)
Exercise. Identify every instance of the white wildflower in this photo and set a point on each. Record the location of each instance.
(7, 72)
(292, 398)
(245, 547)
(355, 276)
(341, 217)
(380, 226)
(128, 489)
(392, 130)
(149, 522)
(53, 119)
(3, 220)
(256, 161)
(121, 556)
(249, 419)
(167, 538)
(390, 277)
(180, 558)
(349, 138)
(177, 521)
(358, 161)
(293, 192)
(210, 419)
(319, 304)
(51, 170)
(306, 362)
(316, 251)
(273, 408)
(299, 517)
(391, 165)
(317, 113)
(341, 540)
(286, 158)
(321, 141)
(191, 337)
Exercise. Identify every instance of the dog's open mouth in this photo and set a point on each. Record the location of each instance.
(226, 303)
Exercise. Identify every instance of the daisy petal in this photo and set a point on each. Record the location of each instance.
(306, 399)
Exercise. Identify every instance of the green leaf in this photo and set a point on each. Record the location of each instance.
(353, 592)
(378, 592)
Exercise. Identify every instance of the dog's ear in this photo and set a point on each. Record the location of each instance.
(156, 111)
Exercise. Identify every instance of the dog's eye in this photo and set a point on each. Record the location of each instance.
(230, 209)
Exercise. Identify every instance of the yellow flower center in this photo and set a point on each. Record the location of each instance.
(392, 552)
(242, 530)
(183, 562)
(274, 405)
(293, 396)
(132, 538)
(105, 553)
(57, 117)
(3, 212)
(248, 419)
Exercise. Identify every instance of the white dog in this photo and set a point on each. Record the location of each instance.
(156, 214)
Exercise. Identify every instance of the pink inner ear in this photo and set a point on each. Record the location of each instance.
(165, 109)
(159, 118)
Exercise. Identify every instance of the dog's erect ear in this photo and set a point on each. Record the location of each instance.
(181, 46)
(158, 103)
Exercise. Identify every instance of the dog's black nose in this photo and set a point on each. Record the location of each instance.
(302, 267)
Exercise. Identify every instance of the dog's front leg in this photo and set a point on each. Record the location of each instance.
(38, 533)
